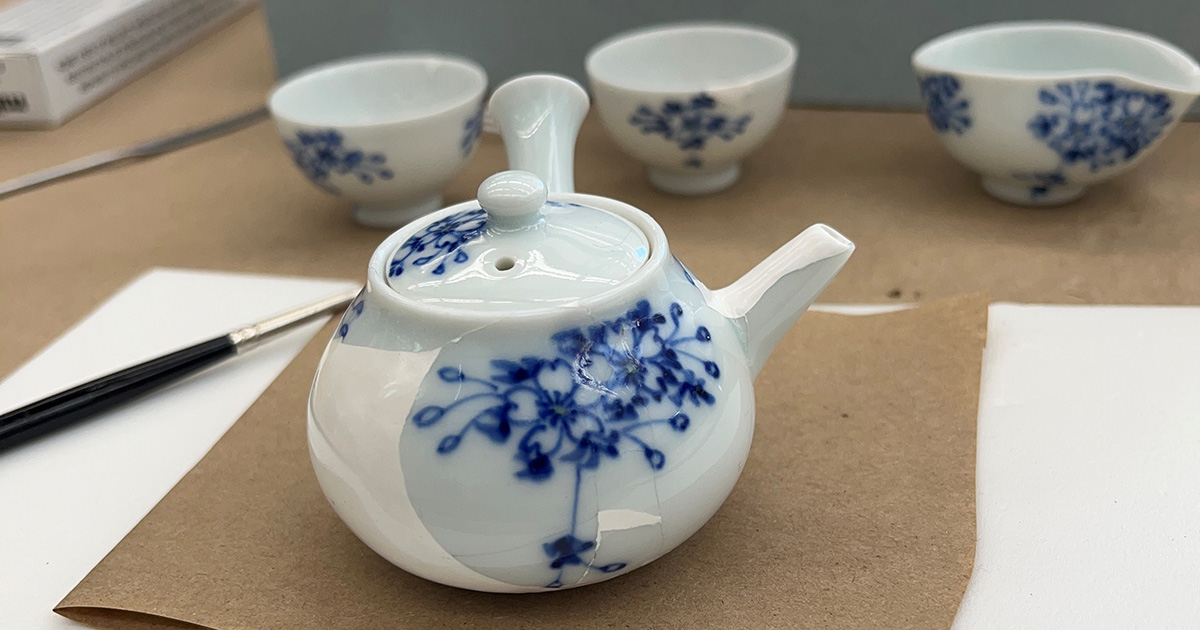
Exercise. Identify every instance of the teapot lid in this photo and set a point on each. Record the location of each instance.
(516, 250)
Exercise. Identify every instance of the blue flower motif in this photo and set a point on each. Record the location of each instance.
(948, 111)
(352, 313)
(322, 153)
(438, 240)
(1041, 183)
(472, 129)
(603, 386)
(1099, 124)
(566, 550)
(689, 123)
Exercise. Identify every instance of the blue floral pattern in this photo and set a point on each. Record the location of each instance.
(322, 153)
(1099, 124)
(438, 240)
(354, 312)
(689, 123)
(565, 204)
(472, 130)
(947, 110)
(601, 389)
(1095, 124)
(1040, 184)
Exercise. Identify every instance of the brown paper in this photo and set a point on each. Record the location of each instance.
(855, 510)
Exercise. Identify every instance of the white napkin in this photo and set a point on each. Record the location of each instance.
(68, 498)
(1088, 477)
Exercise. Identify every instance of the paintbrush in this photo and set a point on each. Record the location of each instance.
(106, 392)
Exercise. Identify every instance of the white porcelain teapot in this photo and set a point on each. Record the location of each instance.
(531, 392)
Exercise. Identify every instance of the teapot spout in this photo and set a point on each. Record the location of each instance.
(771, 296)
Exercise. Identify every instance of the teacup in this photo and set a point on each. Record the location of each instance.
(1044, 109)
(691, 100)
(386, 132)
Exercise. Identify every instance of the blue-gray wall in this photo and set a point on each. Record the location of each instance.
(852, 52)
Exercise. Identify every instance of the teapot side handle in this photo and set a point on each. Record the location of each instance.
(539, 116)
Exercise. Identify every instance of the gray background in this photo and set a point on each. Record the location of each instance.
(853, 53)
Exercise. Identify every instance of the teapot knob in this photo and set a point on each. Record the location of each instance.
(512, 198)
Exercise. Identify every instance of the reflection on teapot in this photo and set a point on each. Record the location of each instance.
(532, 392)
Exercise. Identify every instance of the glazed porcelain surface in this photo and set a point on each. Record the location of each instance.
(386, 132)
(1042, 110)
(692, 100)
(532, 392)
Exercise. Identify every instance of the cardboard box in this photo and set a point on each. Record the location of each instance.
(57, 57)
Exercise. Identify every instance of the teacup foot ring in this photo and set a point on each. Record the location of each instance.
(392, 214)
(1023, 194)
(702, 183)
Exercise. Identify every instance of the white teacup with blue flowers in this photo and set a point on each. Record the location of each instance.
(691, 101)
(1042, 110)
(386, 132)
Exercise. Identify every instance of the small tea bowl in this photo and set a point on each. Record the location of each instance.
(1042, 110)
(691, 100)
(386, 132)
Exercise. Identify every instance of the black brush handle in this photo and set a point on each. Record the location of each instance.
(106, 392)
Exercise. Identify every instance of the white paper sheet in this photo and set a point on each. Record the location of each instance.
(67, 499)
(1088, 477)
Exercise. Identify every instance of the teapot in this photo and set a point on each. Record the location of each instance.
(531, 392)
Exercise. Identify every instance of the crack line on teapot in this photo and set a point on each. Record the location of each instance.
(606, 385)
(352, 313)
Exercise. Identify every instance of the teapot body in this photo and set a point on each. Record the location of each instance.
(532, 393)
(537, 451)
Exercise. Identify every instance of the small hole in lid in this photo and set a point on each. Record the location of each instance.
(504, 264)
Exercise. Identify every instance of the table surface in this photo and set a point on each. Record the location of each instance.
(924, 228)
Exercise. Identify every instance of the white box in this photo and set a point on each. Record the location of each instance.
(57, 57)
